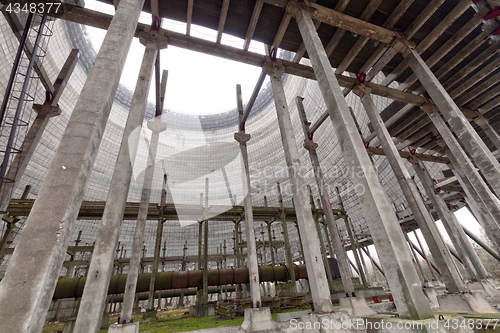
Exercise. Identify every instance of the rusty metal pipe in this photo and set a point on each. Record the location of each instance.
(73, 287)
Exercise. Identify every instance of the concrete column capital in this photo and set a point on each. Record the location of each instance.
(481, 121)
(401, 44)
(156, 125)
(361, 90)
(429, 107)
(310, 145)
(295, 7)
(242, 137)
(275, 69)
(156, 40)
(46, 110)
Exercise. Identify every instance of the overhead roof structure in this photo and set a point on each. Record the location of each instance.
(457, 39)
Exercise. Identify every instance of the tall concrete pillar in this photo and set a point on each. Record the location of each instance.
(156, 127)
(253, 268)
(157, 249)
(354, 249)
(39, 255)
(101, 265)
(286, 241)
(464, 131)
(438, 248)
(345, 273)
(315, 269)
(44, 113)
(384, 227)
(462, 243)
(271, 246)
(468, 172)
(478, 208)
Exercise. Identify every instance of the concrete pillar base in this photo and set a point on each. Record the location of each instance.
(466, 302)
(431, 294)
(355, 306)
(149, 316)
(199, 311)
(68, 326)
(335, 322)
(124, 328)
(485, 287)
(105, 321)
(259, 320)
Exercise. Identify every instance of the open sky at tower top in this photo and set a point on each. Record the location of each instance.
(197, 83)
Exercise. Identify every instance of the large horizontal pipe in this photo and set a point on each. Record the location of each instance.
(73, 287)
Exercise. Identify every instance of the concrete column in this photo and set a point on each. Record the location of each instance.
(467, 171)
(464, 131)
(41, 250)
(345, 273)
(44, 113)
(20, 162)
(253, 268)
(101, 266)
(156, 127)
(271, 247)
(488, 129)
(427, 260)
(157, 249)
(384, 227)
(315, 270)
(469, 256)
(477, 206)
(301, 247)
(205, 249)
(354, 249)
(438, 248)
(286, 241)
(322, 245)
(420, 271)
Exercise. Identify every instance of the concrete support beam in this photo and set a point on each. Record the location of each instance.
(406, 155)
(286, 240)
(253, 270)
(489, 130)
(21, 161)
(101, 266)
(253, 23)
(41, 249)
(472, 180)
(222, 20)
(480, 211)
(385, 230)
(449, 274)
(189, 16)
(44, 113)
(315, 269)
(471, 141)
(454, 229)
(340, 251)
(156, 126)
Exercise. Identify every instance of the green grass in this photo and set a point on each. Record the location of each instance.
(169, 321)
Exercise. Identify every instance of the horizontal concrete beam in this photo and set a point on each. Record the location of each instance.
(100, 20)
(405, 154)
(93, 210)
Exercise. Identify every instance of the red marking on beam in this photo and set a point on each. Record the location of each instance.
(49, 97)
(273, 53)
(155, 24)
(494, 13)
(361, 77)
